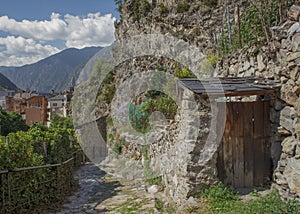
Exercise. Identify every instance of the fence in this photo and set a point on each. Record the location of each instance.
(22, 190)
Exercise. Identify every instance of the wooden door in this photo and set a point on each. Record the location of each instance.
(244, 152)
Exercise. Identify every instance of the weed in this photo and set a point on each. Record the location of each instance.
(159, 204)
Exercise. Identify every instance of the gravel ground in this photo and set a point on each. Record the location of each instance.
(93, 190)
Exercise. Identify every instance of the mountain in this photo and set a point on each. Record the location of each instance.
(57, 72)
(6, 83)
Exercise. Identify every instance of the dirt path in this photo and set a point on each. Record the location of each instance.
(101, 193)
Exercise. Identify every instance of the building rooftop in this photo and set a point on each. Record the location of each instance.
(229, 86)
(58, 97)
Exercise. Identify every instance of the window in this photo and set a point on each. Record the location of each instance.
(55, 104)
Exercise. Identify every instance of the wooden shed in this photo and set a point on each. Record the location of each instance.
(244, 154)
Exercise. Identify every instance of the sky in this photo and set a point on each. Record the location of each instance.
(31, 30)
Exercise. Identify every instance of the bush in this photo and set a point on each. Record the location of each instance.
(183, 7)
(163, 9)
(222, 199)
(146, 7)
(11, 122)
(210, 3)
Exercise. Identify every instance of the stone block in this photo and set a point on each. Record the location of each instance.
(295, 73)
(297, 106)
(293, 56)
(296, 42)
(289, 146)
(260, 62)
(292, 175)
(287, 116)
(294, 13)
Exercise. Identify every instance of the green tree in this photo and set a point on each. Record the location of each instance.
(11, 122)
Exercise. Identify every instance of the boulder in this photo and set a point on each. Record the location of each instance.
(289, 146)
(296, 42)
(292, 175)
(287, 116)
(294, 13)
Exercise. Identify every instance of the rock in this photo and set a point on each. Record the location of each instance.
(191, 202)
(296, 90)
(293, 29)
(295, 73)
(289, 146)
(291, 98)
(281, 56)
(283, 132)
(286, 118)
(153, 189)
(260, 64)
(297, 132)
(296, 42)
(246, 66)
(294, 13)
(297, 107)
(292, 175)
(292, 56)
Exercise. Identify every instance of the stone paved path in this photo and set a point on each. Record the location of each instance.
(101, 193)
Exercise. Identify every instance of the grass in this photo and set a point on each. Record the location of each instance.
(221, 199)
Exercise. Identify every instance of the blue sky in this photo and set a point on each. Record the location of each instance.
(31, 30)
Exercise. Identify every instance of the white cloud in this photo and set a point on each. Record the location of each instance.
(28, 41)
(20, 51)
(78, 32)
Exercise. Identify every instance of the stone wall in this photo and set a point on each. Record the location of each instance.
(182, 151)
(193, 25)
(280, 62)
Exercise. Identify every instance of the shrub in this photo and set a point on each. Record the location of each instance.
(210, 3)
(183, 7)
(163, 9)
(146, 7)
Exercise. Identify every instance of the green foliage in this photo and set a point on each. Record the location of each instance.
(60, 122)
(109, 91)
(272, 204)
(159, 204)
(19, 152)
(213, 59)
(118, 145)
(139, 118)
(135, 9)
(183, 73)
(11, 122)
(145, 7)
(163, 9)
(183, 7)
(250, 31)
(222, 199)
(210, 3)
(119, 4)
(38, 146)
(163, 104)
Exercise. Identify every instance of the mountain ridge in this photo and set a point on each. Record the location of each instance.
(6, 83)
(57, 72)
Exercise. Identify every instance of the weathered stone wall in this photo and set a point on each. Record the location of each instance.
(184, 151)
(200, 25)
(281, 64)
(181, 151)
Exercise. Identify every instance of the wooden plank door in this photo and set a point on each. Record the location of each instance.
(244, 152)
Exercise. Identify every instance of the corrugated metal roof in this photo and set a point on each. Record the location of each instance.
(229, 85)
